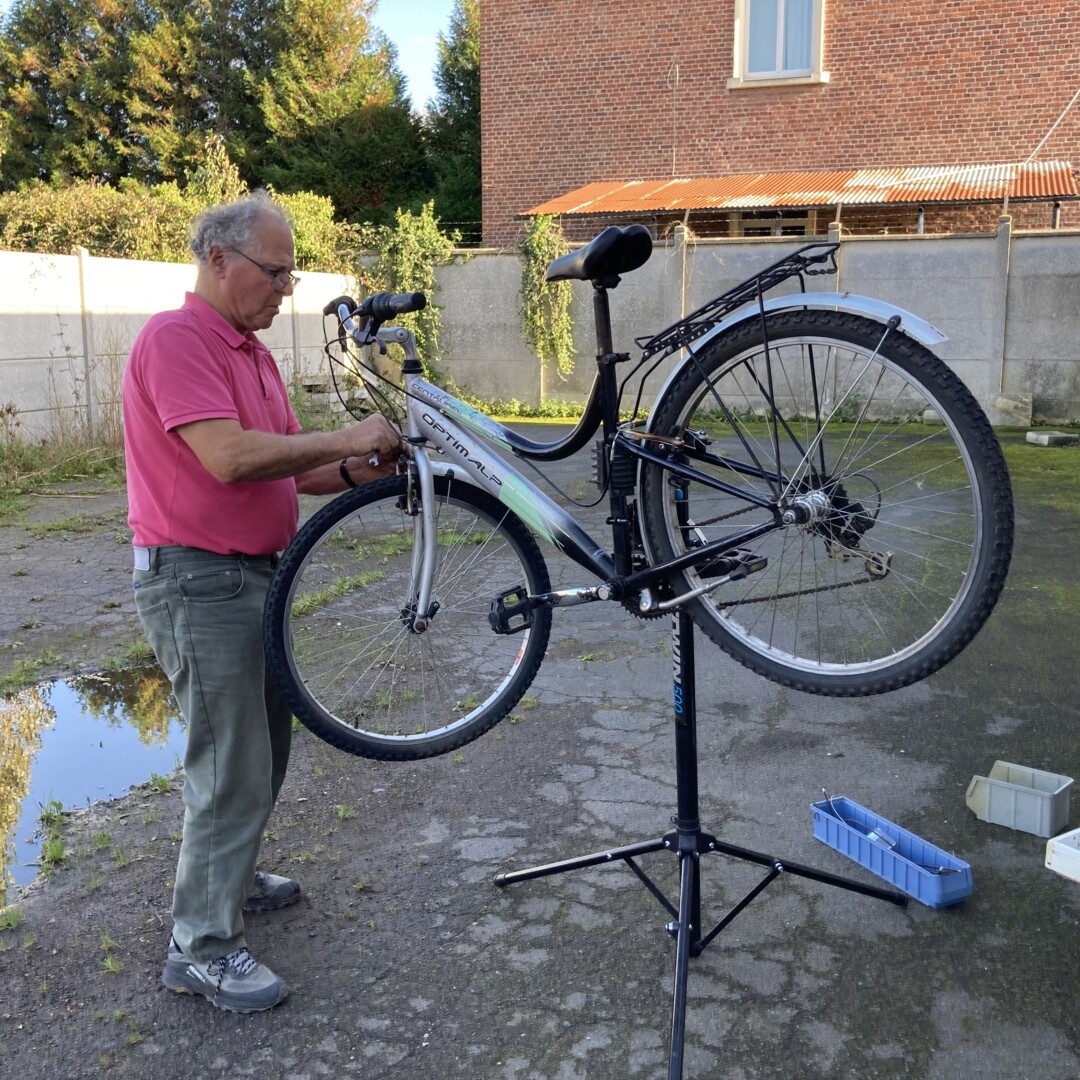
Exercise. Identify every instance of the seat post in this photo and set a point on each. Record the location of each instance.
(604, 353)
(602, 314)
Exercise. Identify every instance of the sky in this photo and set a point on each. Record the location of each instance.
(412, 25)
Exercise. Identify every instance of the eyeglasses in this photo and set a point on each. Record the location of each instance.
(282, 278)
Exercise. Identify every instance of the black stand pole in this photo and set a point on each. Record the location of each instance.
(690, 842)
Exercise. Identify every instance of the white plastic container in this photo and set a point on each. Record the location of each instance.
(1063, 854)
(1021, 798)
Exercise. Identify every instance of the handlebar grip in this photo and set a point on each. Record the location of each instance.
(383, 306)
(332, 307)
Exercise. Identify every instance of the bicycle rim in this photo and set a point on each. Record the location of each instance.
(347, 652)
(906, 519)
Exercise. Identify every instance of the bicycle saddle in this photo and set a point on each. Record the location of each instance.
(615, 251)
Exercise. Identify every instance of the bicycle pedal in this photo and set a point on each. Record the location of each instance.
(735, 564)
(511, 611)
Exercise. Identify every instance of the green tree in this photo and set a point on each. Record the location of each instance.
(335, 108)
(453, 122)
(167, 96)
(196, 70)
(408, 255)
(63, 66)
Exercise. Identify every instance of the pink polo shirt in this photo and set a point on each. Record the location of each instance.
(192, 365)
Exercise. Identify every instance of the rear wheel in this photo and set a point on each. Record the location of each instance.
(883, 500)
(345, 646)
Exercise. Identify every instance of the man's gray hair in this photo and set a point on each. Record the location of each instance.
(231, 225)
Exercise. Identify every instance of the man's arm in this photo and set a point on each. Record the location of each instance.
(327, 479)
(232, 454)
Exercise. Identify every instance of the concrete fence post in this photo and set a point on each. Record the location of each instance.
(836, 238)
(1001, 407)
(87, 315)
(682, 255)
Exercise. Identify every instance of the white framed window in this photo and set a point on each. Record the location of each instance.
(778, 42)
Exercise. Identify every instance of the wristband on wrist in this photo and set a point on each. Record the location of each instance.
(345, 474)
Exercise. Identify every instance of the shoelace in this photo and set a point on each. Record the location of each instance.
(241, 961)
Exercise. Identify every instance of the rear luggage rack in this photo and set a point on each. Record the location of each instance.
(806, 262)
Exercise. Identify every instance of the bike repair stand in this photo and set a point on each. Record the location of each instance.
(690, 842)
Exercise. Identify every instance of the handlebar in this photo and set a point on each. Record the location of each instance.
(380, 306)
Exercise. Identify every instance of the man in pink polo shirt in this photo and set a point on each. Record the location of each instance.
(215, 458)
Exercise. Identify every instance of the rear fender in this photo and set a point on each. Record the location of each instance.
(877, 310)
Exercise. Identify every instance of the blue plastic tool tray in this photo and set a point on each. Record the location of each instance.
(934, 877)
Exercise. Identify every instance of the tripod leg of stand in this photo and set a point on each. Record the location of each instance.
(688, 933)
(688, 829)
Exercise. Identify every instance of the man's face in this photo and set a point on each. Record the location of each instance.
(251, 295)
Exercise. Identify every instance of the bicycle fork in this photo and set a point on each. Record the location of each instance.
(420, 506)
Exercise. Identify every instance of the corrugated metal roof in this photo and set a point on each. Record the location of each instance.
(847, 187)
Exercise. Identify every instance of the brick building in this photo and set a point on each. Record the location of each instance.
(576, 92)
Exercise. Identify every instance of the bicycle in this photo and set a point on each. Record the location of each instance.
(819, 491)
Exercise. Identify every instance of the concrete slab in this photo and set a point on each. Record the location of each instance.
(1052, 438)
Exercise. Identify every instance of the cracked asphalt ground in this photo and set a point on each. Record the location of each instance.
(405, 960)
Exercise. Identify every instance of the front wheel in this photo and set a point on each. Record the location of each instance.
(882, 528)
(342, 636)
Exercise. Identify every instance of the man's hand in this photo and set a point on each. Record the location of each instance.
(376, 437)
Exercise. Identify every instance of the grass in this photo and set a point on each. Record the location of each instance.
(77, 524)
(160, 784)
(27, 671)
(312, 602)
(27, 466)
(53, 853)
(11, 918)
(1047, 475)
(52, 814)
(134, 655)
(109, 961)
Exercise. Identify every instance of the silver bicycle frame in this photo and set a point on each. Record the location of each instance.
(449, 450)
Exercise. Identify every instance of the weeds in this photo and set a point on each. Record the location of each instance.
(11, 918)
(53, 853)
(110, 962)
(52, 814)
(159, 784)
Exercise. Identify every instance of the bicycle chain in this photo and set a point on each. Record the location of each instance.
(800, 592)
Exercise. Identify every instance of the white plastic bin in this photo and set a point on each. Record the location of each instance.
(1021, 798)
(1063, 854)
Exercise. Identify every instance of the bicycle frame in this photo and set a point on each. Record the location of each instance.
(438, 419)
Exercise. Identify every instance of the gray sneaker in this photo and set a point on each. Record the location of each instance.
(235, 982)
(270, 892)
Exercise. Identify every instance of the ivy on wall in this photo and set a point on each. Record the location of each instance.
(545, 306)
(408, 253)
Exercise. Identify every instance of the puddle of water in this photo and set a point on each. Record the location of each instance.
(77, 741)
